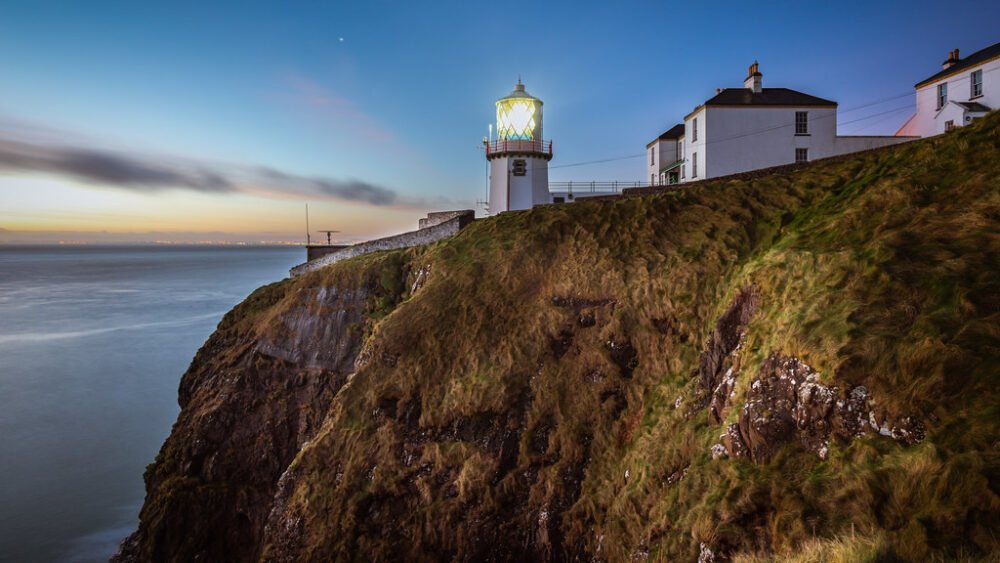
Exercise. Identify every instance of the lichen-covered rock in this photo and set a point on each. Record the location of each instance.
(786, 403)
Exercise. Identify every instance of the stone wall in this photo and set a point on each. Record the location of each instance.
(435, 232)
(438, 217)
(314, 251)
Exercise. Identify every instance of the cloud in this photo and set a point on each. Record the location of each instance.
(350, 190)
(147, 173)
(108, 168)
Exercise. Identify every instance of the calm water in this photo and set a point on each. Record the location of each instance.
(93, 342)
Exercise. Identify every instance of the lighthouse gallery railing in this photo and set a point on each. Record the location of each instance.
(520, 145)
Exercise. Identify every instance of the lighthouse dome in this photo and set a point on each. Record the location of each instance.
(519, 116)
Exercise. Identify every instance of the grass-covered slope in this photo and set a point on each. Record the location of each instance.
(800, 363)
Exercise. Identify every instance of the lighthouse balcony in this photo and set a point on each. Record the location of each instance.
(527, 147)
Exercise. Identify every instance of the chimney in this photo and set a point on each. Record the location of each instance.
(953, 59)
(753, 80)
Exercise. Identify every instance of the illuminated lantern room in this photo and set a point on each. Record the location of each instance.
(519, 156)
(519, 116)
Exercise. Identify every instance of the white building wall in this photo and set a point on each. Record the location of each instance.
(750, 138)
(663, 153)
(732, 140)
(652, 161)
(509, 192)
(928, 121)
(692, 146)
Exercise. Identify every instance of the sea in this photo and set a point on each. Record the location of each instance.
(93, 342)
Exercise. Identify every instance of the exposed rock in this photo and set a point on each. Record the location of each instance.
(721, 396)
(786, 403)
(726, 337)
(420, 278)
(668, 327)
(251, 399)
(677, 475)
(718, 450)
(624, 356)
(705, 554)
(732, 442)
(313, 333)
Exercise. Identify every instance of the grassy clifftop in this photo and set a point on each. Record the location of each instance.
(746, 369)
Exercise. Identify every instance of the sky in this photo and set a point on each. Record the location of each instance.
(201, 121)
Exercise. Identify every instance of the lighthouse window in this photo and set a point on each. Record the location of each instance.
(519, 168)
(516, 119)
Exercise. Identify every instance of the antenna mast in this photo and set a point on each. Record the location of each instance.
(328, 233)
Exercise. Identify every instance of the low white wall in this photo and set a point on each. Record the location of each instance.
(847, 145)
(405, 240)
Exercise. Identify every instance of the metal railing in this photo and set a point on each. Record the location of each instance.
(595, 187)
(522, 146)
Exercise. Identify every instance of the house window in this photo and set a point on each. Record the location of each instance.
(694, 131)
(942, 95)
(558, 199)
(694, 165)
(801, 155)
(652, 179)
(977, 83)
(802, 123)
(651, 157)
(949, 125)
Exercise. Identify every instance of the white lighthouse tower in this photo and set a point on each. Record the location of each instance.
(519, 157)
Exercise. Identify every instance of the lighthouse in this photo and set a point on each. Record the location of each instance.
(519, 156)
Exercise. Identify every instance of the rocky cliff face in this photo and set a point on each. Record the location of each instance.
(746, 369)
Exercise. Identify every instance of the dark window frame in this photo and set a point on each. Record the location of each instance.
(973, 90)
(802, 123)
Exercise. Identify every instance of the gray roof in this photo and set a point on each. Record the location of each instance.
(973, 106)
(766, 97)
(519, 92)
(672, 134)
(675, 132)
(972, 60)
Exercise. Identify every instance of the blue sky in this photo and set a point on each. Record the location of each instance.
(396, 96)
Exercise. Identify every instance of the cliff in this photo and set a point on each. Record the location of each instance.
(774, 367)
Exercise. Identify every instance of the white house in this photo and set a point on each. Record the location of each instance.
(666, 153)
(749, 128)
(963, 91)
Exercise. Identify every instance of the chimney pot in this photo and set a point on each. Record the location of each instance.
(753, 79)
(953, 59)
